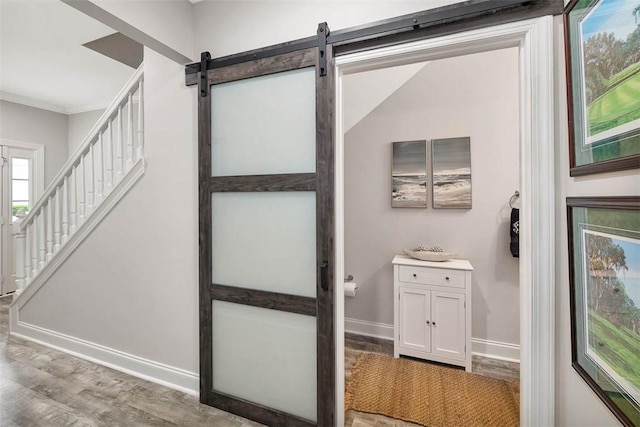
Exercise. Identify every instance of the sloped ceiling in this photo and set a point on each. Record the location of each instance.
(43, 62)
(363, 92)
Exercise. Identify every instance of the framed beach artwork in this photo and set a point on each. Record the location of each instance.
(451, 171)
(604, 279)
(409, 174)
(602, 44)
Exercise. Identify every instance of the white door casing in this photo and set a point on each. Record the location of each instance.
(537, 265)
(35, 154)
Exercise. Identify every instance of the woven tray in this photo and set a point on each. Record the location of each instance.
(428, 255)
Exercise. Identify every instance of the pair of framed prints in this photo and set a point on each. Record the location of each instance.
(602, 41)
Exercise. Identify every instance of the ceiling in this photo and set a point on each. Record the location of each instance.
(43, 63)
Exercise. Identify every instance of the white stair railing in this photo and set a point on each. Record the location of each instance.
(83, 184)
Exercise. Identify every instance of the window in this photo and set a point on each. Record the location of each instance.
(20, 186)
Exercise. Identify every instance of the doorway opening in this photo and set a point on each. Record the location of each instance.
(530, 40)
(433, 162)
(21, 182)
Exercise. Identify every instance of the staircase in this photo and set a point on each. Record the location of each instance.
(98, 174)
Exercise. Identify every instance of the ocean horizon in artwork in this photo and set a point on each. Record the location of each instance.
(452, 173)
(409, 175)
(452, 188)
(409, 190)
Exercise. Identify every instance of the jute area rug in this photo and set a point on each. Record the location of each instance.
(431, 395)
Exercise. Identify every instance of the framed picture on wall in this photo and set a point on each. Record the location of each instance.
(602, 44)
(409, 174)
(451, 171)
(604, 280)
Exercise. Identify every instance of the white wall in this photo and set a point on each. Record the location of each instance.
(475, 96)
(163, 25)
(79, 126)
(226, 27)
(132, 285)
(365, 91)
(576, 404)
(28, 124)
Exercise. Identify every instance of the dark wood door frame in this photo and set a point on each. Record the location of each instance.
(302, 53)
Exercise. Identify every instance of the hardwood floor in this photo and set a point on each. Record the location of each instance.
(44, 387)
(357, 344)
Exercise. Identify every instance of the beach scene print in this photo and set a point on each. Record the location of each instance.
(451, 168)
(409, 174)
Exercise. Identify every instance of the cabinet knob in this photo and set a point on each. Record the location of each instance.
(433, 323)
(446, 278)
(415, 275)
(428, 322)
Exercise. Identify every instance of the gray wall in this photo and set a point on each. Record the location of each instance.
(28, 124)
(79, 126)
(476, 96)
(132, 285)
(160, 309)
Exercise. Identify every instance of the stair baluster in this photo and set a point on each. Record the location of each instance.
(27, 256)
(57, 233)
(108, 150)
(111, 155)
(65, 210)
(99, 172)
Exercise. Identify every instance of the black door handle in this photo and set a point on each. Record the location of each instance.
(324, 275)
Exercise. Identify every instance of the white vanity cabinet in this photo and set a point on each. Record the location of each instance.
(432, 310)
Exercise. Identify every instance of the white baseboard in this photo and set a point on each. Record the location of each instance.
(176, 378)
(495, 350)
(479, 347)
(369, 329)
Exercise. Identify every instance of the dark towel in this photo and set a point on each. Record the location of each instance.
(514, 245)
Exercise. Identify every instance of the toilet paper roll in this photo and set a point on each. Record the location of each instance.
(350, 289)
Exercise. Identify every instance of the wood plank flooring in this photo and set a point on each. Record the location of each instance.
(44, 387)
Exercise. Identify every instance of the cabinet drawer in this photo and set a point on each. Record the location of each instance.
(431, 276)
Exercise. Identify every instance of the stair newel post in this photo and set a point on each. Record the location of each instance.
(19, 252)
(129, 162)
(42, 238)
(99, 165)
(119, 147)
(48, 226)
(34, 247)
(80, 191)
(64, 207)
(57, 215)
(109, 160)
(140, 121)
(90, 180)
(27, 254)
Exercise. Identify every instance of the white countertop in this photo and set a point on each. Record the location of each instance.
(453, 264)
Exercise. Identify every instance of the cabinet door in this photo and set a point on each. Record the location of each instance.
(415, 310)
(448, 324)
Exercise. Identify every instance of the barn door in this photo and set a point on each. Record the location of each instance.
(266, 236)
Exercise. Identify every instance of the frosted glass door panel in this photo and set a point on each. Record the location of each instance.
(266, 357)
(264, 125)
(265, 241)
